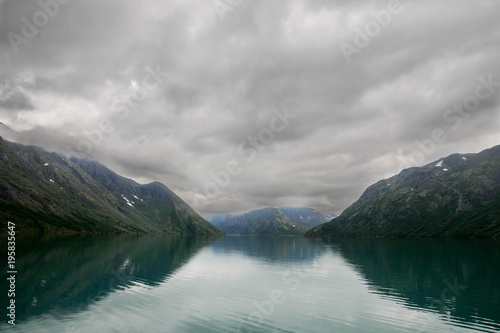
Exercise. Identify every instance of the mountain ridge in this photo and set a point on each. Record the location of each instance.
(454, 196)
(47, 192)
(269, 221)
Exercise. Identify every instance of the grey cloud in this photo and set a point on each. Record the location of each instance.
(12, 98)
(356, 122)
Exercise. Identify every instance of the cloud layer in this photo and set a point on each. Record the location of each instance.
(238, 105)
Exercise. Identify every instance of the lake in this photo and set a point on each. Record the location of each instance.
(160, 283)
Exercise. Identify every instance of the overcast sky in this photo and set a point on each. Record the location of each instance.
(243, 104)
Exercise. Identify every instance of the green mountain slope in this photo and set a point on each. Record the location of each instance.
(458, 196)
(42, 191)
(267, 221)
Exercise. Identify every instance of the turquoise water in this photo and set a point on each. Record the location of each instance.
(157, 283)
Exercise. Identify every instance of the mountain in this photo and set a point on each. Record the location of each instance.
(269, 221)
(456, 196)
(46, 192)
(330, 217)
(304, 217)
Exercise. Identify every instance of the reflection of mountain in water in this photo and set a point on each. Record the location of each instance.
(432, 274)
(271, 248)
(68, 273)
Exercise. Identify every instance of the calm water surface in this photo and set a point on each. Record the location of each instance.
(253, 284)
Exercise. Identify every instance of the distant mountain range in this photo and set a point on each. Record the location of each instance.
(456, 196)
(270, 221)
(42, 191)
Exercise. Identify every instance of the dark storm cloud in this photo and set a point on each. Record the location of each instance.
(187, 89)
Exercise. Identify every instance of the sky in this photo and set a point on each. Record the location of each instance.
(237, 105)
